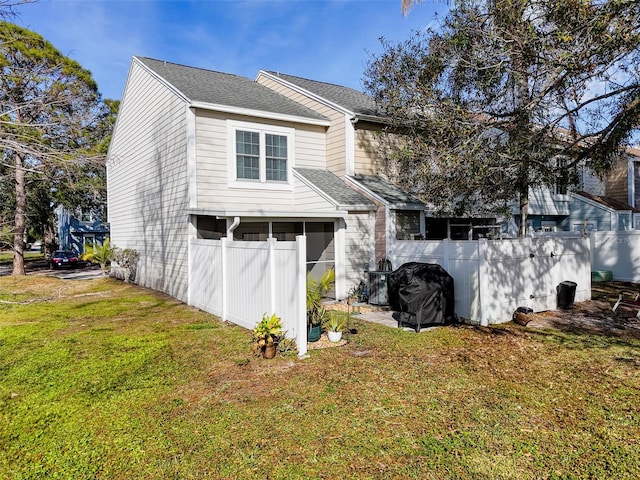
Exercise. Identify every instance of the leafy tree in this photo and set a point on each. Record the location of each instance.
(507, 95)
(52, 125)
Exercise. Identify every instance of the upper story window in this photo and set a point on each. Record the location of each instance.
(248, 155)
(261, 155)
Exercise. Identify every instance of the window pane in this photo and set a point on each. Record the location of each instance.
(248, 154)
(276, 157)
(276, 170)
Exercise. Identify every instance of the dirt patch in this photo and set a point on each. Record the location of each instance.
(596, 315)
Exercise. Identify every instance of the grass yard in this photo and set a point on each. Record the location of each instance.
(100, 379)
(6, 257)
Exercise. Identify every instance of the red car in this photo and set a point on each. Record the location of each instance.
(63, 258)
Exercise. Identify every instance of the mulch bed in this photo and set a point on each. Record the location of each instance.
(325, 343)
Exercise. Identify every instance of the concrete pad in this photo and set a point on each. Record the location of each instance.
(386, 318)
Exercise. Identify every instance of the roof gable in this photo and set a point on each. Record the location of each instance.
(356, 102)
(218, 88)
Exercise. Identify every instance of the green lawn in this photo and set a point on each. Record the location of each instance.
(6, 257)
(106, 380)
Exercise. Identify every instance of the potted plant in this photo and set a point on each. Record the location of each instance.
(316, 291)
(266, 335)
(335, 325)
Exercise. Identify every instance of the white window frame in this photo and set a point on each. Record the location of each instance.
(261, 183)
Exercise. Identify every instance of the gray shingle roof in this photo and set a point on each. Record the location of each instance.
(349, 98)
(394, 196)
(198, 84)
(334, 187)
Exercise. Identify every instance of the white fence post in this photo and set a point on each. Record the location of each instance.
(225, 277)
(482, 278)
(271, 265)
(301, 294)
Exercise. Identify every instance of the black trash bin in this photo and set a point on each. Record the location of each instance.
(566, 294)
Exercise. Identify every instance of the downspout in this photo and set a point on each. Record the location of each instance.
(232, 227)
(350, 144)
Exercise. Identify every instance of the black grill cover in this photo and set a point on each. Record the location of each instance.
(422, 293)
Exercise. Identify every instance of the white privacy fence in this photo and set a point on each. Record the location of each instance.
(241, 281)
(493, 278)
(618, 252)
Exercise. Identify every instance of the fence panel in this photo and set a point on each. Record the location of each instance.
(618, 252)
(205, 275)
(492, 278)
(248, 282)
(527, 272)
(241, 281)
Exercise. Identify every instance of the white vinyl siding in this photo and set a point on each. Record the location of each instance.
(358, 247)
(335, 136)
(308, 200)
(216, 163)
(147, 182)
(368, 158)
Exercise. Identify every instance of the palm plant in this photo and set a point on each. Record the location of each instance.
(316, 291)
(102, 254)
(336, 321)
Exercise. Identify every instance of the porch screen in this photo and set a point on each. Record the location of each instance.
(320, 247)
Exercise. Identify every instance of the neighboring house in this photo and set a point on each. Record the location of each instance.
(609, 204)
(596, 212)
(76, 232)
(623, 182)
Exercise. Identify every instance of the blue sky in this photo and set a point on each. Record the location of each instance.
(324, 40)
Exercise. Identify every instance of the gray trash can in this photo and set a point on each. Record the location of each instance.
(566, 294)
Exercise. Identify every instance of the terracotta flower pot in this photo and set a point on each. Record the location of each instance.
(269, 351)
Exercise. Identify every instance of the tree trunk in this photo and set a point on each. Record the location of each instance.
(49, 240)
(524, 210)
(20, 217)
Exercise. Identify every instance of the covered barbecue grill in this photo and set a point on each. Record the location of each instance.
(422, 293)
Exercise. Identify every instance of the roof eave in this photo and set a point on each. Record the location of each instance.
(161, 79)
(267, 213)
(259, 113)
(370, 118)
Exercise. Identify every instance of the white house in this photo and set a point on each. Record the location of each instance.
(203, 154)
